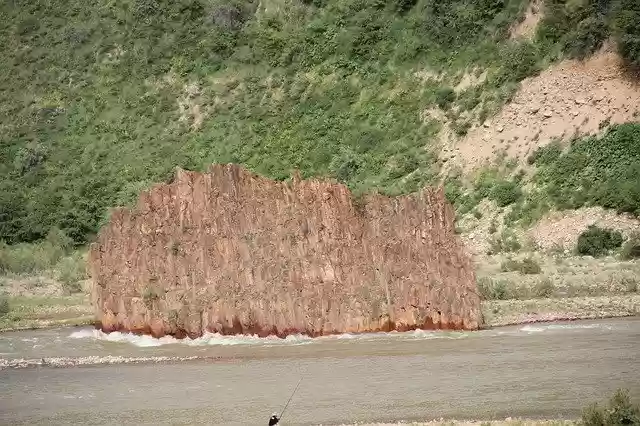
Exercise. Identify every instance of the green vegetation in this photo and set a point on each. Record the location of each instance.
(52, 257)
(506, 242)
(99, 101)
(544, 288)
(503, 289)
(492, 289)
(526, 266)
(5, 308)
(594, 171)
(27, 258)
(37, 311)
(590, 171)
(597, 242)
(580, 27)
(620, 411)
(631, 248)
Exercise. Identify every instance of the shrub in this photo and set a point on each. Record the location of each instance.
(620, 411)
(507, 242)
(493, 228)
(5, 308)
(505, 193)
(597, 241)
(544, 288)
(492, 290)
(545, 154)
(519, 61)
(456, 195)
(587, 37)
(445, 96)
(626, 29)
(509, 265)
(596, 171)
(631, 248)
(578, 27)
(71, 271)
(34, 257)
(461, 127)
(526, 266)
(630, 285)
(529, 266)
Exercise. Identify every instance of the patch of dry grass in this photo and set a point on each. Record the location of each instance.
(505, 312)
(557, 276)
(39, 312)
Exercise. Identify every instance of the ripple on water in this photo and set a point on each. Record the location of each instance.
(215, 339)
(575, 326)
(208, 339)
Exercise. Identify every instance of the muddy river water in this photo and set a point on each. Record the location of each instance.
(540, 370)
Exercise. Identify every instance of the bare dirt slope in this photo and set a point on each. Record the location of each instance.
(570, 98)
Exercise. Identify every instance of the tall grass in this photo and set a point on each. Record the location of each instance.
(54, 256)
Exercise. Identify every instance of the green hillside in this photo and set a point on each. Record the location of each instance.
(100, 99)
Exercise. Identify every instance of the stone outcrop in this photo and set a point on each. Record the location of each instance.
(231, 252)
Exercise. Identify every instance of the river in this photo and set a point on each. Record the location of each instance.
(538, 370)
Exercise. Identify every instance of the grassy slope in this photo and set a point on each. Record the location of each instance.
(100, 100)
(90, 94)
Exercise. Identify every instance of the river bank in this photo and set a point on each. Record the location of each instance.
(30, 313)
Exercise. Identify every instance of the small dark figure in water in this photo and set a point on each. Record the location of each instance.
(273, 420)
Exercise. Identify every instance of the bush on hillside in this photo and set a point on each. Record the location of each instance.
(597, 241)
(458, 196)
(71, 271)
(520, 60)
(445, 96)
(587, 37)
(544, 288)
(545, 154)
(579, 27)
(274, 88)
(505, 192)
(492, 289)
(27, 258)
(529, 266)
(619, 412)
(5, 308)
(601, 171)
(506, 242)
(626, 28)
(631, 248)
(526, 266)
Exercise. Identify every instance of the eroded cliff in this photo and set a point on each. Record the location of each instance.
(231, 252)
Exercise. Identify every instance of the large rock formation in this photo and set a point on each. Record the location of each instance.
(231, 252)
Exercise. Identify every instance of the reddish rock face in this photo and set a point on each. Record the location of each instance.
(231, 252)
